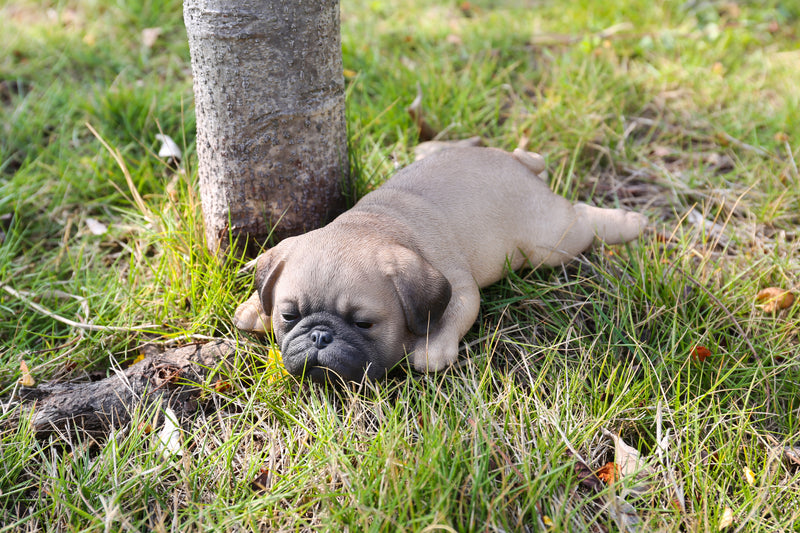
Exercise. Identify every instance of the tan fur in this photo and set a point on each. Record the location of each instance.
(467, 213)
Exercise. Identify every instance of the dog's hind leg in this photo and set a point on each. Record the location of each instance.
(612, 226)
(572, 229)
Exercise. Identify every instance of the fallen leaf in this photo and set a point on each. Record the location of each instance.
(150, 36)
(749, 476)
(27, 379)
(95, 226)
(624, 514)
(700, 353)
(774, 299)
(170, 435)
(169, 149)
(261, 482)
(632, 467)
(547, 521)
(221, 386)
(349, 74)
(627, 458)
(586, 477)
(726, 520)
(609, 473)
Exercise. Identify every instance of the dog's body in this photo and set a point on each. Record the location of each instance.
(398, 274)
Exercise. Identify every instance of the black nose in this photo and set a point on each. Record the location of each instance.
(321, 338)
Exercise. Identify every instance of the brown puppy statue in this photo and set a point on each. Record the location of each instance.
(397, 276)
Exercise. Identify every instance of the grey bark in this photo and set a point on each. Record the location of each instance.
(269, 96)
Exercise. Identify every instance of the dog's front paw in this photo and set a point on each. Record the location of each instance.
(434, 354)
(250, 316)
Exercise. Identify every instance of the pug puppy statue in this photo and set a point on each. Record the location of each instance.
(397, 277)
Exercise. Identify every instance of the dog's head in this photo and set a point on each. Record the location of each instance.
(348, 310)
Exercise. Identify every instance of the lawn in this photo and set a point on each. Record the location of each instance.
(656, 357)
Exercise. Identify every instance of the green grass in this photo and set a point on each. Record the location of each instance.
(686, 111)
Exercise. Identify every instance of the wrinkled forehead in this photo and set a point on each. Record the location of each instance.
(333, 277)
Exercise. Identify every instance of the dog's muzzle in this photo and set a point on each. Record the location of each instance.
(324, 347)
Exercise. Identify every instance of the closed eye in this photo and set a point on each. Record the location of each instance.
(364, 325)
(290, 317)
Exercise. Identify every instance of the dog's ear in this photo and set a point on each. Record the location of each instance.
(268, 268)
(424, 292)
(253, 315)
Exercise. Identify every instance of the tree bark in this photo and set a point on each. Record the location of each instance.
(271, 135)
(172, 377)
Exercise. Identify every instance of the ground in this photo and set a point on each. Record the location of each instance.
(657, 355)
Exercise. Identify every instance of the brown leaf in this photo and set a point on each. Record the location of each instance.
(627, 458)
(623, 513)
(221, 386)
(586, 477)
(774, 299)
(609, 473)
(261, 482)
(27, 379)
(700, 353)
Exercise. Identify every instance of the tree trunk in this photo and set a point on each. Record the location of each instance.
(269, 96)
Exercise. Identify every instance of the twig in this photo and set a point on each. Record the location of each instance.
(72, 323)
